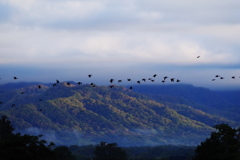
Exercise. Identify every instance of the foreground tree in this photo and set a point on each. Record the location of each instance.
(223, 144)
(18, 147)
(63, 153)
(109, 151)
(6, 128)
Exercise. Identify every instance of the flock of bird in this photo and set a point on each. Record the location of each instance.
(151, 79)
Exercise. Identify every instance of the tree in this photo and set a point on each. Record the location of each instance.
(110, 151)
(223, 144)
(17, 146)
(6, 129)
(63, 153)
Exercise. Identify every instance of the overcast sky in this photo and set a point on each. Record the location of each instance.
(45, 40)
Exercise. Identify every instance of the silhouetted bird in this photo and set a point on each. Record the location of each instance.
(68, 83)
(139, 82)
(152, 80)
(165, 78)
(172, 79)
(15, 78)
(111, 80)
(129, 79)
(178, 80)
(57, 81)
(89, 75)
(131, 87)
(119, 81)
(163, 81)
(233, 77)
(79, 83)
(221, 78)
(144, 80)
(155, 75)
(198, 56)
(213, 79)
(92, 84)
(111, 86)
(39, 86)
(149, 79)
(217, 76)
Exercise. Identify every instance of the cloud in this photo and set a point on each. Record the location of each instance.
(94, 35)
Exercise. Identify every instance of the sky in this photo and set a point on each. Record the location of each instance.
(45, 40)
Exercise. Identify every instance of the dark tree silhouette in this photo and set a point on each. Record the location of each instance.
(63, 153)
(17, 146)
(223, 144)
(109, 151)
(6, 129)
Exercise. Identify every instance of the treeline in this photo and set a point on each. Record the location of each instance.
(163, 152)
(17, 146)
(223, 144)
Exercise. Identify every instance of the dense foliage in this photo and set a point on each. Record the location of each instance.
(223, 144)
(17, 146)
(82, 114)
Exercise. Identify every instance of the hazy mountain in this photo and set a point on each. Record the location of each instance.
(82, 114)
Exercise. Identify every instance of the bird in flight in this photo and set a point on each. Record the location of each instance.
(172, 79)
(79, 83)
(57, 81)
(165, 78)
(178, 80)
(129, 79)
(111, 80)
(217, 76)
(155, 75)
(198, 56)
(233, 77)
(119, 81)
(15, 78)
(89, 75)
(131, 87)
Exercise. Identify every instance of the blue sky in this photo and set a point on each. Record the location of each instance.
(45, 40)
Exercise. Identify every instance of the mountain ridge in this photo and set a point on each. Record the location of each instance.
(102, 112)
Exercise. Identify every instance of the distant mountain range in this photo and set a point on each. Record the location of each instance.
(69, 113)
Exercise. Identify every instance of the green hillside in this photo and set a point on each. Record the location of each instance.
(102, 113)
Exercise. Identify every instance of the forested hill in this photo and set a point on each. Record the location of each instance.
(83, 114)
(222, 103)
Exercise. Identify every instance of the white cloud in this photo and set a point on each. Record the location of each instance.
(74, 32)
